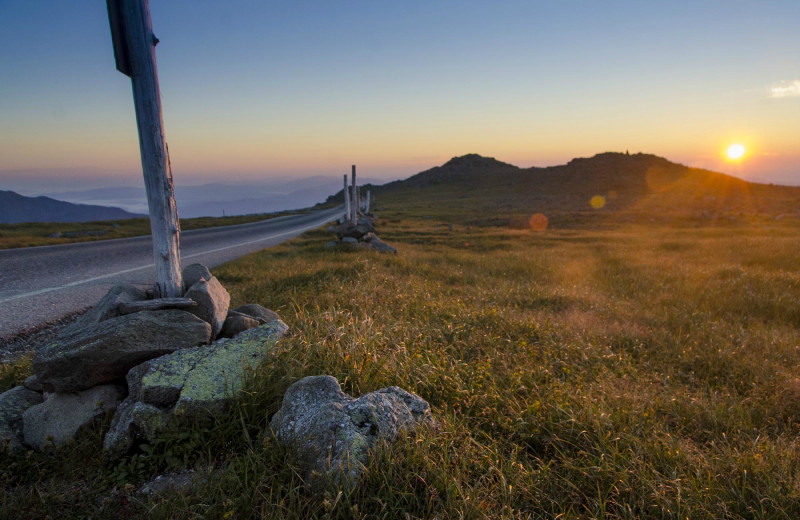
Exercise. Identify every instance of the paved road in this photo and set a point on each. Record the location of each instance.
(39, 285)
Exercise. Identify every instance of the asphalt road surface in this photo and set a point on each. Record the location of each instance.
(40, 285)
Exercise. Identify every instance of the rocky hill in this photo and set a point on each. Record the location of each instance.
(16, 208)
(607, 182)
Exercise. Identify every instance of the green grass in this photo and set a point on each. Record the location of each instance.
(627, 370)
(52, 233)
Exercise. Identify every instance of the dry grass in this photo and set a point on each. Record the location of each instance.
(629, 371)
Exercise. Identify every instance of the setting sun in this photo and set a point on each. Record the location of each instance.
(735, 152)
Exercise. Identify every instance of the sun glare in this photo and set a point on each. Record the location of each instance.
(735, 152)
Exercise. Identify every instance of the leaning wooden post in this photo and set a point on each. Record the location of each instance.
(346, 199)
(135, 55)
(354, 199)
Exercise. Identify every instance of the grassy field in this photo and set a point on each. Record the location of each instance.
(53, 233)
(598, 369)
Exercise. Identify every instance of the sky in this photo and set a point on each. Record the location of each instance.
(255, 89)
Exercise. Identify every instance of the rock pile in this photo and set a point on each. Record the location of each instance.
(183, 345)
(360, 235)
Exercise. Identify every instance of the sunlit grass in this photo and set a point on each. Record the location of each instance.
(636, 371)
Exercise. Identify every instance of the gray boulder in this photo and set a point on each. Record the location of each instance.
(331, 433)
(193, 273)
(350, 240)
(13, 404)
(60, 417)
(106, 351)
(195, 382)
(212, 303)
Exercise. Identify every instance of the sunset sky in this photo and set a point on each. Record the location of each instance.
(254, 89)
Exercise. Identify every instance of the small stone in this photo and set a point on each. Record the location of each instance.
(61, 416)
(13, 404)
(258, 312)
(32, 383)
(193, 273)
(237, 323)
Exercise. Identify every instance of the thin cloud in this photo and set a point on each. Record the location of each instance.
(785, 89)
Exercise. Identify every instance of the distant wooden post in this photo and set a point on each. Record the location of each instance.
(366, 206)
(354, 217)
(135, 55)
(346, 199)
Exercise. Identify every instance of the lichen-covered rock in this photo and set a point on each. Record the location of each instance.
(331, 433)
(61, 416)
(193, 382)
(212, 303)
(193, 273)
(106, 351)
(13, 404)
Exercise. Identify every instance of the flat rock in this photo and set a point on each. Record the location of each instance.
(107, 308)
(13, 403)
(60, 417)
(106, 351)
(212, 303)
(194, 382)
(332, 433)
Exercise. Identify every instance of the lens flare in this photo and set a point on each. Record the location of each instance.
(598, 202)
(538, 222)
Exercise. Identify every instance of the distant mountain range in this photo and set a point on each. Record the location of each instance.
(218, 199)
(16, 208)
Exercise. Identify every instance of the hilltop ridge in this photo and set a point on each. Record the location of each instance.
(615, 181)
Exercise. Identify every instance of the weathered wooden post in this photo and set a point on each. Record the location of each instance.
(135, 56)
(346, 199)
(354, 199)
(366, 206)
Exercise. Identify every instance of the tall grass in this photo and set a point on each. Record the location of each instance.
(630, 372)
